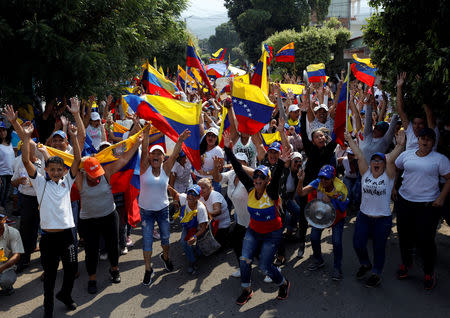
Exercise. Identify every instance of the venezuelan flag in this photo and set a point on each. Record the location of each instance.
(224, 126)
(219, 55)
(252, 107)
(295, 88)
(161, 141)
(181, 79)
(243, 78)
(119, 130)
(267, 139)
(269, 50)
(155, 83)
(171, 117)
(286, 54)
(364, 70)
(260, 75)
(341, 114)
(193, 60)
(316, 73)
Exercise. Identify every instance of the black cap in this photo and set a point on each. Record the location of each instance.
(428, 132)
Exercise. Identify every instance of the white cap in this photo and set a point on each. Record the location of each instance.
(103, 143)
(157, 147)
(241, 156)
(296, 155)
(321, 106)
(212, 130)
(95, 116)
(293, 108)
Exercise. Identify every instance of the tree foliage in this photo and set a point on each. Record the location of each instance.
(412, 36)
(225, 37)
(63, 48)
(313, 45)
(320, 7)
(255, 20)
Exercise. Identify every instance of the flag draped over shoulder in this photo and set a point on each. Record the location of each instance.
(171, 117)
(252, 107)
(364, 70)
(193, 60)
(156, 84)
(286, 54)
(219, 55)
(341, 114)
(316, 73)
(224, 126)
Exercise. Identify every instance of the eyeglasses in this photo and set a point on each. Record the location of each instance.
(259, 175)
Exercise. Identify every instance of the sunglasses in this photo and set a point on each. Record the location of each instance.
(259, 175)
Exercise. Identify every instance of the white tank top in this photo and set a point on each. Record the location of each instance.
(376, 194)
(153, 195)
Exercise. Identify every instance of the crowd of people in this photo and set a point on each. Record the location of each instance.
(248, 196)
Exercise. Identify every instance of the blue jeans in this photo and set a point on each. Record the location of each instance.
(190, 250)
(268, 244)
(292, 213)
(353, 186)
(148, 219)
(336, 239)
(377, 228)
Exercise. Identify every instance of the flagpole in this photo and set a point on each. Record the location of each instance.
(347, 97)
(185, 80)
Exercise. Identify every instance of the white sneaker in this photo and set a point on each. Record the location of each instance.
(269, 280)
(124, 251)
(236, 274)
(104, 256)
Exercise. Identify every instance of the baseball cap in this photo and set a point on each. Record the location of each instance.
(59, 133)
(362, 112)
(327, 171)
(212, 130)
(275, 146)
(321, 106)
(293, 108)
(95, 116)
(378, 154)
(296, 155)
(103, 143)
(2, 125)
(241, 156)
(265, 170)
(93, 168)
(428, 132)
(157, 147)
(194, 188)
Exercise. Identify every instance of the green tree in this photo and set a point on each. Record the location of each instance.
(313, 45)
(412, 36)
(320, 8)
(255, 20)
(63, 48)
(225, 37)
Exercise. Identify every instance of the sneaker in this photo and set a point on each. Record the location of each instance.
(148, 278)
(362, 271)
(373, 281)
(7, 291)
(267, 278)
(283, 291)
(315, 265)
(103, 256)
(236, 274)
(124, 251)
(66, 300)
(156, 235)
(429, 282)
(244, 297)
(336, 275)
(167, 263)
(92, 287)
(130, 242)
(115, 276)
(402, 272)
(301, 250)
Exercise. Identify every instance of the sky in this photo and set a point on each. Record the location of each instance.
(204, 8)
(202, 16)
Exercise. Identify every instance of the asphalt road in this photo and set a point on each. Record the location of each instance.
(212, 293)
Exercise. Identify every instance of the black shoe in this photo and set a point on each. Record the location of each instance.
(7, 291)
(66, 300)
(301, 250)
(167, 263)
(244, 297)
(373, 281)
(115, 276)
(148, 278)
(283, 291)
(362, 271)
(429, 282)
(315, 265)
(92, 287)
(48, 314)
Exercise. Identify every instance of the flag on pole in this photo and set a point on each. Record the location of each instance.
(364, 70)
(156, 84)
(219, 55)
(286, 54)
(193, 60)
(316, 73)
(224, 126)
(260, 75)
(341, 114)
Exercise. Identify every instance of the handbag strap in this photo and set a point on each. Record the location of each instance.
(45, 186)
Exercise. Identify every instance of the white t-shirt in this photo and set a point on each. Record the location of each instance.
(6, 160)
(376, 194)
(421, 175)
(202, 214)
(183, 178)
(347, 173)
(224, 217)
(290, 183)
(208, 160)
(20, 171)
(412, 142)
(239, 196)
(95, 134)
(249, 149)
(56, 208)
(10, 243)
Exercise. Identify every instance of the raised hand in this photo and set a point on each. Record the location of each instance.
(9, 113)
(28, 129)
(286, 154)
(226, 139)
(72, 130)
(64, 121)
(218, 163)
(401, 78)
(301, 175)
(74, 105)
(185, 135)
(401, 137)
